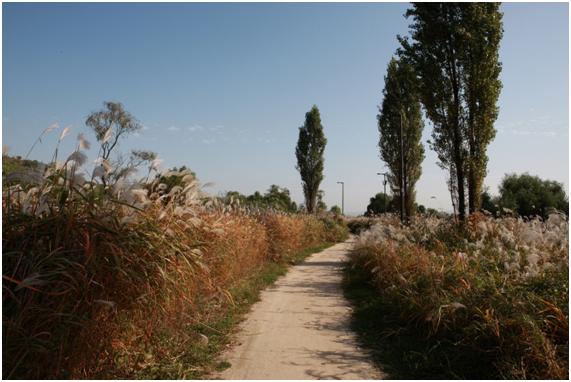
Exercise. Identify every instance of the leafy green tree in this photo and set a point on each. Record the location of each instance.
(137, 158)
(110, 124)
(489, 203)
(280, 199)
(400, 113)
(454, 50)
(432, 211)
(335, 210)
(256, 199)
(276, 197)
(233, 198)
(483, 22)
(173, 177)
(530, 195)
(381, 203)
(321, 206)
(309, 152)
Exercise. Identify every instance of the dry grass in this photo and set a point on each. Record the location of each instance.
(496, 290)
(115, 281)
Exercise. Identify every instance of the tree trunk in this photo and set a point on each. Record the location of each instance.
(461, 193)
(473, 191)
(407, 196)
(459, 159)
(457, 133)
(308, 200)
(312, 202)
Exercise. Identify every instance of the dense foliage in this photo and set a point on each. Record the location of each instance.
(526, 196)
(336, 210)
(400, 128)
(381, 203)
(454, 49)
(532, 196)
(276, 197)
(309, 153)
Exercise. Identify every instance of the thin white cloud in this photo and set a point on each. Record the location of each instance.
(173, 128)
(534, 133)
(538, 126)
(195, 128)
(215, 128)
(208, 141)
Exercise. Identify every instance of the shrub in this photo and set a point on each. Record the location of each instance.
(360, 224)
(531, 196)
(495, 292)
(334, 229)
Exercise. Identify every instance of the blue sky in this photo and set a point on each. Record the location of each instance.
(223, 88)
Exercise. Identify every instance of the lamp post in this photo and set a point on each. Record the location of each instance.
(384, 174)
(342, 197)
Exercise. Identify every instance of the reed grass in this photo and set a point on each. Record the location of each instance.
(119, 279)
(491, 298)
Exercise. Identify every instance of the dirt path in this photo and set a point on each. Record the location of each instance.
(300, 328)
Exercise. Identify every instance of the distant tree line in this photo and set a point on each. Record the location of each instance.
(16, 170)
(520, 195)
(275, 197)
(382, 203)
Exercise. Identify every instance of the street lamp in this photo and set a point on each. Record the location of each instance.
(384, 174)
(342, 197)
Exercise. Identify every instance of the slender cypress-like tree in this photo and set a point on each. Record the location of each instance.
(400, 127)
(309, 152)
(483, 22)
(454, 50)
(435, 52)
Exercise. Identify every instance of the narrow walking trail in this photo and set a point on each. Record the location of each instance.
(300, 328)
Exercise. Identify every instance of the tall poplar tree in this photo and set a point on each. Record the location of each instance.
(309, 152)
(483, 22)
(403, 153)
(454, 50)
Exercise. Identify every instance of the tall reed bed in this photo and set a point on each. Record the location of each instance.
(492, 296)
(105, 277)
